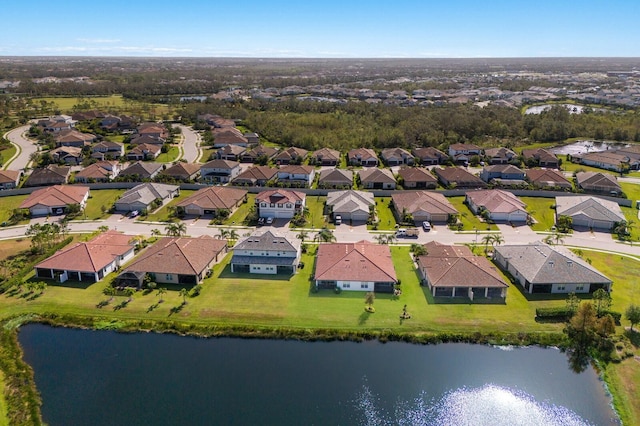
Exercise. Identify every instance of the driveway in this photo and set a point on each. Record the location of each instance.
(26, 147)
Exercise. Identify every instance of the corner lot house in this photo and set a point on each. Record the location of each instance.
(361, 266)
(423, 206)
(447, 270)
(55, 199)
(140, 197)
(589, 212)
(351, 205)
(539, 268)
(178, 260)
(502, 206)
(90, 261)
(266, 253)
(280, 203)
(209, 201)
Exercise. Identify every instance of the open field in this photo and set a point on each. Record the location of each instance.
(540, 209)
(100, 202)
(572, 167)
(162, 214)
(114, 102)
(7, 154)
(468, 219)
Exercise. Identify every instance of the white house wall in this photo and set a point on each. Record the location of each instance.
(355, 285)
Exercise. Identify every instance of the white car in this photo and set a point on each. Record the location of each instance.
(269, 220)
(426, 226)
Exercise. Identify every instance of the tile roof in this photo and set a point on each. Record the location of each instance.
(8, 176)
(54, 196)
(597, 179)
(376, 175)
(429, 152)
(220, 164)
(426, 201)
(179, 255)
(541, 264)
(363, 153)
(95, 171)
(336, 175)
(181, 169)
(458, 175)
(214, 198)
(142, 169)
(504, 168)
(146, 193)
(548, 177)
(291, 153)
(496, 201)
(455, 271)
(296, 169)
(48, 175)
(592, 207)
(350, 200)
(90, 256)
(416, 174)
(257, 173)
(540, 154)
(361, 261)
(327, 153)
(281, 196)
(267, 241)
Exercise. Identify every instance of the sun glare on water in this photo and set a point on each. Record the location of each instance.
(489, 405)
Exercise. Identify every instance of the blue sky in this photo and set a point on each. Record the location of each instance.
(329, 28)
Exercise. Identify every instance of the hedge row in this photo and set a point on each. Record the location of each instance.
(563, 313)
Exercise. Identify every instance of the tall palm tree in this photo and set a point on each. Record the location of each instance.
(233, 235)
(184, 293)
(497, 240)
(302, 235)
(487, 239)
(161, 291)
(156, 232)
(223, 234)
(325, 235)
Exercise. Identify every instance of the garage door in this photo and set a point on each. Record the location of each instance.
(192, 211)
(283, 215)
(39, 211)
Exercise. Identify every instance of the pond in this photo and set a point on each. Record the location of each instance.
(573, 109)
(109, 378)
(583, 147)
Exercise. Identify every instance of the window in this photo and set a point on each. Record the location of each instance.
(561, 287)
(169, 277)
(580, 287)
(364, 285)
(289, 205)
(279, 205)
(346, 285)
(263, 204)
(272, 205)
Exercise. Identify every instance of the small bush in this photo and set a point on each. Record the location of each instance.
(338, 290)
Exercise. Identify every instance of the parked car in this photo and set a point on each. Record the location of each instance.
(269, 220)
(338, 219)
(260, 221)
(407, 233)
(426, 226)
(134, 213)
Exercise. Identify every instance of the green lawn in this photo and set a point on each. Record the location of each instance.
(162, 215)
(8, 204)
(4, 420)
(632, 190)
(113, 102)
(238, 217)
(206, 154)
(100, 200)
(468, 219)
(316, 218)
(384, 214)
(116, 138)
(572, 167)
(7, 154)
(540, 209)
(170, 156)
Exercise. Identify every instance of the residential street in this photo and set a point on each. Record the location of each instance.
(190, 143)
(26, 148)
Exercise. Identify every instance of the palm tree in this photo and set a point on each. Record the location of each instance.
(487, 239)
(325, 235)
(497, 240)
(302, 235)
(233, 235)
(176, 229)
(156, 232)
(223, 234)
(381, 238)
(161, 292)
(184, 293)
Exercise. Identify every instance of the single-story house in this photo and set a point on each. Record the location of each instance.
(429, 156)
(423, 206)
(361, 266)
(540, 157)
(141, 170)
(209, 201)
(9, 179)
(599, 183)
(228, 136)
(589, 212)
(177, 260)
(256, 176)
(609, 160)
(142, 196)
(230, 152)
(501, 206)
(335, 178)
(364, 157)
(266, 253)
(219, 171)
(280, 203)
(499, 155)
(501, 171)
(351, 205)
(154, 130)
(147, 140)
(326, 157)
(374, 178)
(54, 200)
(290, 155)
(396, 157)
(457, 177)
(467, 149)
(417, 178)
(67, 154)
(260, 151)
(49, 175)
(539, 268)
(182, 171)
(74, 138)
(447, 270)
(101, 171)
(88, 261)
(548, 179)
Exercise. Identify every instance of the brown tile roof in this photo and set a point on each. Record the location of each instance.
(142, 169)
(229, 136)
(57, 195)
(429, 152)
(52, 174)
(589, 180)
(547, 177)
(179, 255)
(361, 261)
(496, 201)
(140, 149)
(220, 164)
(281, 196)
(539, 154)
(297, 169)
(214, 197)
(257, 173)
(459, 176)
(436, 249)
(364, 154)
(183, 170)
(327, 154)
(8, 176)
(431, 202)
(455, 271)
(336, 175)
(261, 150)
(94, 171)
(376, 175)
(232, 150)
(91, 256)
(72, 136)
(416, 174)
(291, 153)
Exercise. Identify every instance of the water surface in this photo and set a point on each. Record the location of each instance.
(108, 378)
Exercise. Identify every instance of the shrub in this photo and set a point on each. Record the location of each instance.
(338, 290)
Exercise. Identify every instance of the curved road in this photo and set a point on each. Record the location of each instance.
(26, 147)
(190, 143)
